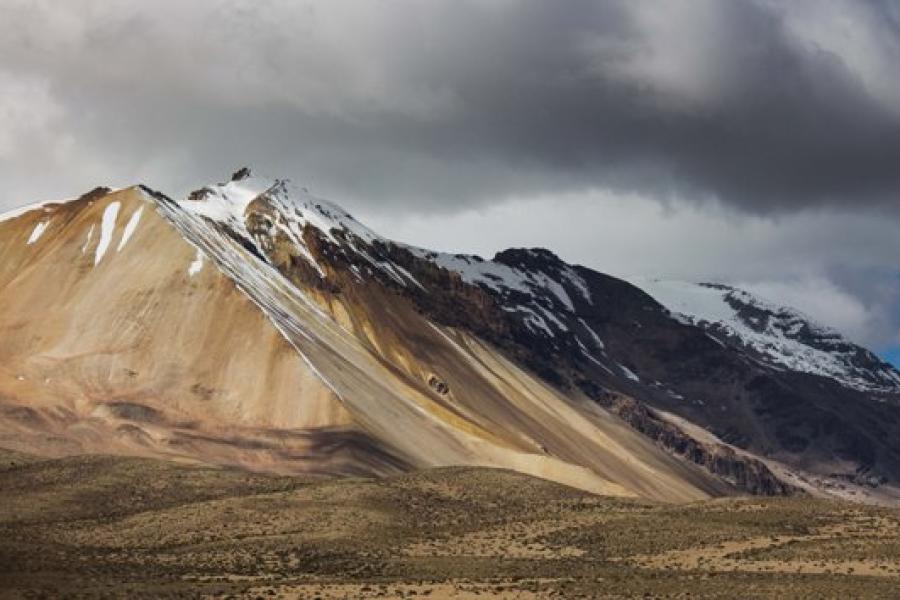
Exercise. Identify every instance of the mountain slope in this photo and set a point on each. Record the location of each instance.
(811, 404)
(363, 355)
(106, 330)
(778, 335)
(167, 331)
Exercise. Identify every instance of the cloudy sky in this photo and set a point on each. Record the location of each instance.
(748, 141)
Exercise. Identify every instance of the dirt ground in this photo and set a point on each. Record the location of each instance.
(99, 526)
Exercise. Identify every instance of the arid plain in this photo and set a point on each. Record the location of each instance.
(97, 526)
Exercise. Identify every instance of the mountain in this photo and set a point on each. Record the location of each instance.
(779, 336)
(255, 325)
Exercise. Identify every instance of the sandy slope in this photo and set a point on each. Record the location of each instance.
(124, 339)
(137, 340)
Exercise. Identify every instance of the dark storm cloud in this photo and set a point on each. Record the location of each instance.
(585, 95)
(762, 105)
(587, 127)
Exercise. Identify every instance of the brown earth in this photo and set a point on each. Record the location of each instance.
(99, 526)
(141, 353)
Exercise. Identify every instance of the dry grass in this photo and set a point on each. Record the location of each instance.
(116, 527)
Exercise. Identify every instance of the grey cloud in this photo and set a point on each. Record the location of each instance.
(839, 268)
(442, 105)
(774, 110)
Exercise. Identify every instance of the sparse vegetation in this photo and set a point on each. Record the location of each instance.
(102, 526)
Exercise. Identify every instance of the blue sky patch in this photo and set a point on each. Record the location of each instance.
(892, 355)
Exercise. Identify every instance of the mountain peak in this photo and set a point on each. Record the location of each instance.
(260, 211)
(423, 357)
(528, 258)
(780, 335)
(240, 174)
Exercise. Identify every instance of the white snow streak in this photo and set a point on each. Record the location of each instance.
(17, 212)
(629, 373)
(579, 283)
(196, 266)
(597, 341)
(87, 242)
(591, 357)
(38, 231)
(107, 227)
(130, 227)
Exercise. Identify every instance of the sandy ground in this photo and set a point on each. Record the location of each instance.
(117, 527)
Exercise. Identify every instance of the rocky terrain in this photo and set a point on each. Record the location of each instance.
(255, 325)
(99, 526)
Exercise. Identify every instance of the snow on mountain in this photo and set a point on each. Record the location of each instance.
(37, 232)
(228, 202)
(535, 291)
(540, 289)
(432, 393)
(290, 210)
(108, 225)
(430, 357)
(537, 296)
(782, 336)
(17, 212)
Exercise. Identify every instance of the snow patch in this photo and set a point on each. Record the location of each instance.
(18, 212)
(107, 227)
(474, 270)
(597, 341)
(38, 231)
(197, 265)
(591, 357)
(533, 320)
(542, 280)
(130, 227)
(87, 242)
(629, 373)
(576, 280)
